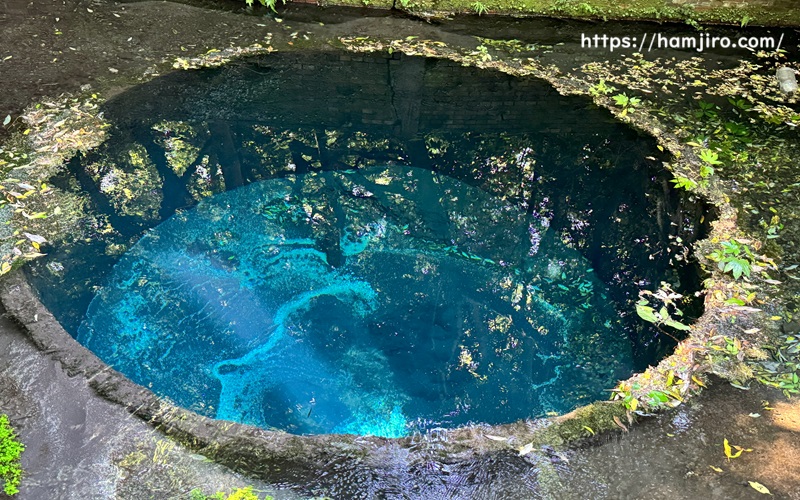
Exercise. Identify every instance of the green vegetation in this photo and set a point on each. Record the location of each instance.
(601, 88)
(10, 451)
(667, 301)
(782, 368)
(733, 257)
(237, 494)
(656, 10)
(266, 3)
(479, 8)
(627, 104)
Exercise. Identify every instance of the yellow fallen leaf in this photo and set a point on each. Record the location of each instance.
(589, 429)
(715, 469)
(759, 487)
(698, 381)
(775, 318)
(729, 452)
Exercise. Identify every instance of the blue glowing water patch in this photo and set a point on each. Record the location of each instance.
(374, 302)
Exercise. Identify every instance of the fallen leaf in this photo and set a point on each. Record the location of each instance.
(35, 238)
(591, 431)
(620, 424)
(526, 449)
(698, 381)
(495, 438)
(7, 120)
(759, 487)
(715, 469)
(729, 450)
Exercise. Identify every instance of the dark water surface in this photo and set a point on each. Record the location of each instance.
(367, 244)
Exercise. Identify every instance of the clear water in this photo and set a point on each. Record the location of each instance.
(372, 302)
(401, 244)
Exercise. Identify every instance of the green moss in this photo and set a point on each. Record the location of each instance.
(246, 493)
(658, 10)
(584, 422)
(10, 452)
(376, 4)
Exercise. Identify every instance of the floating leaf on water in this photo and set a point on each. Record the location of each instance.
(759, 487)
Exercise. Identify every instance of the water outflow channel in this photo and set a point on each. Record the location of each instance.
(368, 244)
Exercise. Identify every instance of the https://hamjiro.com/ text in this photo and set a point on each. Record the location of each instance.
(700, 42)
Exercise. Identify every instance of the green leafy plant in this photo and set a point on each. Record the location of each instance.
(482, 51)
(623, 392)
(707, 110)
(266, 3)
(10, 452)
(710, 159)
(659, 307)
(744, 21)
(479, 8)
(733, 257)
(783, 369)
(626, 103)
(685, 183)
(601, 88)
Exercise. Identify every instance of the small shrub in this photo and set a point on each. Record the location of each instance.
(733, 257)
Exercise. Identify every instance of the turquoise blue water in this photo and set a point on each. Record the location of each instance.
(381, 302)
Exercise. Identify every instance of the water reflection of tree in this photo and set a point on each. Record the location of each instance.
(599, 195)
